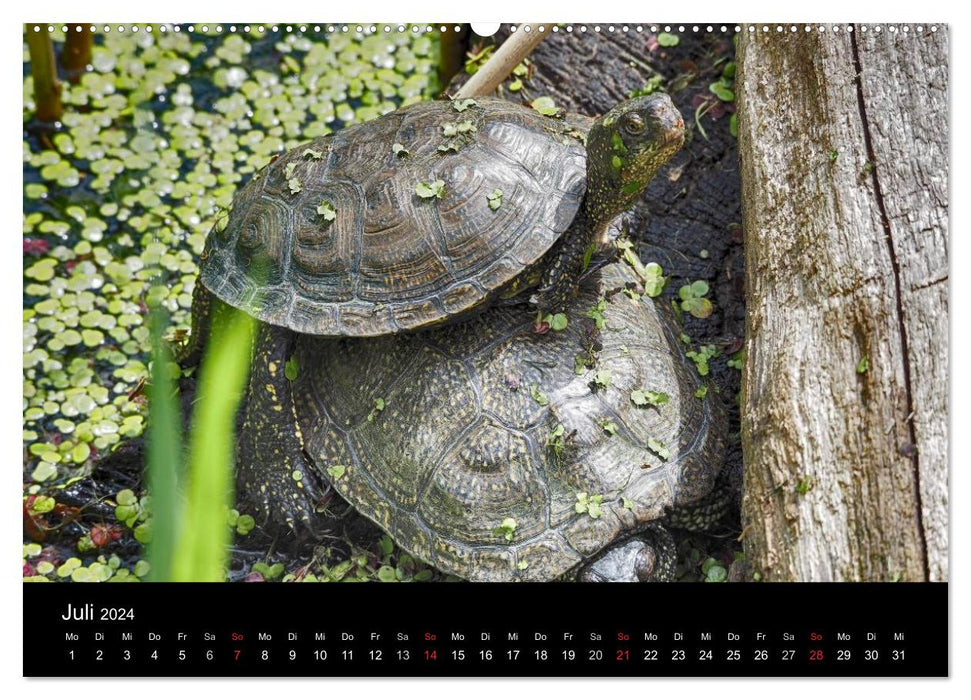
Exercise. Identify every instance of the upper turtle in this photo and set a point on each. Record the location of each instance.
(426, 213)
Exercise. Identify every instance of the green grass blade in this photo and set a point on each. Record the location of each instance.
(164, 441)
(203, 547)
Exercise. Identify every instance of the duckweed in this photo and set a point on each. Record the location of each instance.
(118, 198)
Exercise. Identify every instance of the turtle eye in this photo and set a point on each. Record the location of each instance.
(633, 123)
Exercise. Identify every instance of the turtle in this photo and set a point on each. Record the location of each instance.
(493, 452)
(429, 213)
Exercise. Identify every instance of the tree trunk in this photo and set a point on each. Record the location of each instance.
(843, 145)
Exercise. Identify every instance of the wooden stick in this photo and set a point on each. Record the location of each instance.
(77, 50)
(512, 52)
(47, 89)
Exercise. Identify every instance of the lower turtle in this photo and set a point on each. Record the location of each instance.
(490, 451)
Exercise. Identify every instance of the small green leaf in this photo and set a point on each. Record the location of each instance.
(617, 143)
(693, 301)
(336, 471)
(558, 322)
(628, 504)
(313, 153)
(654, 83)
(506, 529)
(495, 199)
(462, 105)
(292, 368)
(738, 360)
(593, 507)
(602, 378)
(589, 504)
(245, 524)
(650, 274)
(538, 396)
(386, 574)
(658, 448)
(269, 573)
(805, 485)
(581, 505)
(430, 190)
(701, 392)
(701, 357)
(545, 106)
(143, 533)
(449, 129)
(327, 211)
(653, 280)
(699, 308)
(644, 398)
(80, 453)
(722, 91)
(657, 398)
(378, 407)
(699, 288)
(43, 504)
(597, 313)
(863, 366)
(588, 255)
(668, 40)
(386, 545)
(713, 570)
(294, 185)
(609, 427)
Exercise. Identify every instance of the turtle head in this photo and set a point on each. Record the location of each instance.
(625, 149)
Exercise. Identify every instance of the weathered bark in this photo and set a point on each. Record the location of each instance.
(843, 146)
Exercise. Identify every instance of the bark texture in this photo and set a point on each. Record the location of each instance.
(843, 144)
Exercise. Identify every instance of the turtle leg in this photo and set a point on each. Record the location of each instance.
(703, 515)
(563, 265)
(272, 469)
(649, 555)
(203, 316)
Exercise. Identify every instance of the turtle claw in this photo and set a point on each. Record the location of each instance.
(285, 503)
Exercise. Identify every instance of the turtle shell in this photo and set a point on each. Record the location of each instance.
(441, 437)
(335, 238)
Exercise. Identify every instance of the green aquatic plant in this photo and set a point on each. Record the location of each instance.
(153, 142)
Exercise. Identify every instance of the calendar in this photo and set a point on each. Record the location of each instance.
(623, 344)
